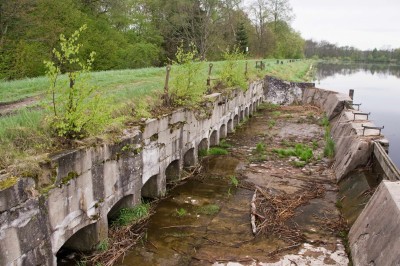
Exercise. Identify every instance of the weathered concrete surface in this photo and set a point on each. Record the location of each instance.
(352, 148)
(283, 92)
(16, 194)
(392, 173)
(91, 182)
(330, 101)
(374, 237)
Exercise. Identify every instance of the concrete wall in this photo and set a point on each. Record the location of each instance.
(374, 237)
(91, 183)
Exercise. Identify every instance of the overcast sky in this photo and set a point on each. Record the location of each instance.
(365, 24)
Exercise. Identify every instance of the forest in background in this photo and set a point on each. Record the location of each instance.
(327, 50)
(141, 33)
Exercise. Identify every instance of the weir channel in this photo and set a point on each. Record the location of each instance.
(262, 185)
(215, 228)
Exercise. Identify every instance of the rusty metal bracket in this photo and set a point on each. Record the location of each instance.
(356, 104)
(369, 127)
(359, 113)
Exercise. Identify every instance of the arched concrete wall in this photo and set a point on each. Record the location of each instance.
(189, 159)
(92, 181)
(172, 173)
(214, 138)
(222, 131)
(151, 189)
(230, 127)
(236, 121)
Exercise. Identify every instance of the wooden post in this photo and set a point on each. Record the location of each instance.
(351, 94)
(209, 74)
(166, 88)
(245, 71)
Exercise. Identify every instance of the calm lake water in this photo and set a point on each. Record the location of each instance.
(377, 87)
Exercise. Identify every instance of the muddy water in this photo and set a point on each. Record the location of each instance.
(184, 232)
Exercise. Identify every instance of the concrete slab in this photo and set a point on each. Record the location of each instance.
(374, 237)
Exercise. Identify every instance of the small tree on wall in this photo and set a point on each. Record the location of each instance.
(76, 109)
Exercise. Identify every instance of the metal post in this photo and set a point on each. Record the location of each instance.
(351, 94)
(245, 71)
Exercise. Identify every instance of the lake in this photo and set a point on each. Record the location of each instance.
(376, 87)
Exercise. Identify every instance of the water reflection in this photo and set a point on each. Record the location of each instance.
(331, 69)
(377, 87)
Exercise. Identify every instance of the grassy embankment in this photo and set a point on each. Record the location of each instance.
(24, 134)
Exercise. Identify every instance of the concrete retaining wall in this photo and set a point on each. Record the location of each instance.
(92, 183)
(374, 237)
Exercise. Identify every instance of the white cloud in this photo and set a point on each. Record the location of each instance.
(365, 24)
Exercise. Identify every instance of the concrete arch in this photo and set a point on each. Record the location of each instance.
(246, 112)
(203, 145)
(151, 189)
(125, 202)
(189, 159)
(251, 109)
(222, 131)
(235, 121)
(214, 140)
(230, 126)
(241, 116)
(172, 173)
(85, 239)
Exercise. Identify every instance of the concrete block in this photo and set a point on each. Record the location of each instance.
(374, 237)
(16, 194)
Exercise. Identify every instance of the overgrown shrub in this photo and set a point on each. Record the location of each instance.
(232, 75)
(76, 109)
(187, 86)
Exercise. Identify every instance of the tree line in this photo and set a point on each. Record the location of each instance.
(326, 50)
(142, 33)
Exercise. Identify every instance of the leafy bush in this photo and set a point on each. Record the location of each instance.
(75, 108)
(232, 75)
(187, 85)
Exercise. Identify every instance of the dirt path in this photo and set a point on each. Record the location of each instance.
(9, 108)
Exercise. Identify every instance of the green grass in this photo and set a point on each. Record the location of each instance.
(136, 82)
(202, 152)
(209, 209)
(130, 95)
(181, 212)
(259, 154)
(103, 245)
(234, 180)
(217, 151)
(130, 215)
(271, 123)
(329, 150)
(301, 151)
(224, 144)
